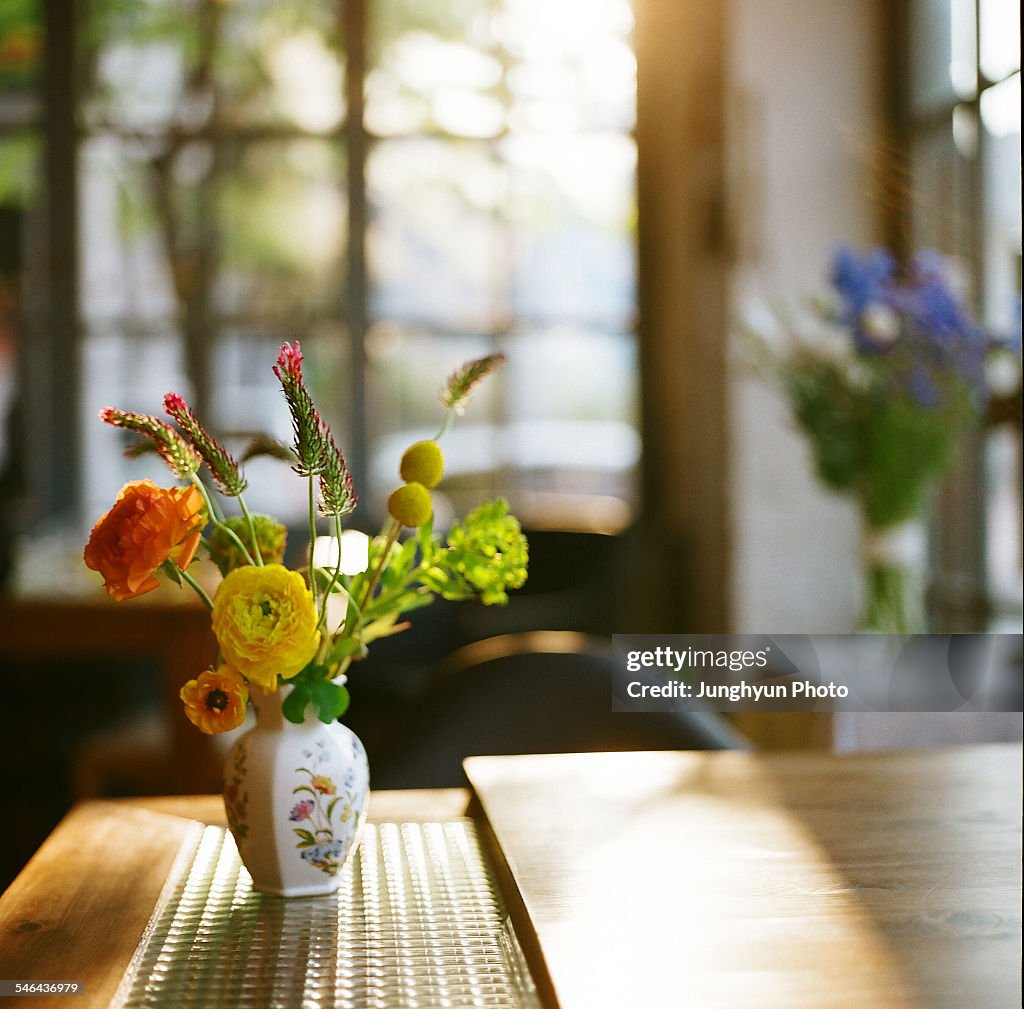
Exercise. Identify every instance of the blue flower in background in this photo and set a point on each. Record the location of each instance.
(941, 322)
(862, 282)
(919, 318)
(885, 410)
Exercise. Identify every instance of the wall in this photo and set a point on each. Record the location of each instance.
(804, 114)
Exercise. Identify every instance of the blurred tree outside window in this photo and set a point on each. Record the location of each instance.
(400, 185)
(962, 117)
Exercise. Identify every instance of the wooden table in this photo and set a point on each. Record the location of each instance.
(652, 880)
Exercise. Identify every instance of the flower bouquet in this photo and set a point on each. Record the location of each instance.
(883, 377)
(296, 784)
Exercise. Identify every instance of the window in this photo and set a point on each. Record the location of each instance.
(962, 111)
(400, 186)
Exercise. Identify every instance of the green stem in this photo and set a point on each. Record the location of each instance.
(312, 543)
(199, 590)
(446, 426)
(353, 617)
(382, 604)
(886, 609)
(252, 530)
(336, 575)
(394, 528)
(217, 522)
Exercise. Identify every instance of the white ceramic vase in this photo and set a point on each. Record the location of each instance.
(295, 797)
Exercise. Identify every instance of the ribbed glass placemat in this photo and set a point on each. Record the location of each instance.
(417, 922)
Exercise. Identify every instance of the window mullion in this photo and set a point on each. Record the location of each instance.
(356, 296)
(56, 480)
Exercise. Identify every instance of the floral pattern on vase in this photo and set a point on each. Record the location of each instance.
(321, 844)
(295, 796)
(236, 798)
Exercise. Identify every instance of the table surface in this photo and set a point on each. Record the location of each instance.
(782, 881)
(717, 880)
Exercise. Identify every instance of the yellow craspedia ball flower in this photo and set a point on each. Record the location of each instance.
(265, 621)
(410, 504)
(423, 463)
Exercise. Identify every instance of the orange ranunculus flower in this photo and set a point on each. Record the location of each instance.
(265, 621)
(147, 526)
(216, 701)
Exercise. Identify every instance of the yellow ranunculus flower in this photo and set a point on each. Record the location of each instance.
(265, 621)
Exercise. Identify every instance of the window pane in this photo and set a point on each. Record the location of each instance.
(20, 153)
(282, 229)
(433, 69)
(572, 443)
(573, 226)
(555, 431)
(21, 46)
(189, 63)
(941, 197)
(279, 62)
(573, 67)
(1000, 114)
(1000, 38)
(435, 251)
(247, 401)
(407, 369)
(942, 53)
(132, 372)
(143, 64)
(128, 226)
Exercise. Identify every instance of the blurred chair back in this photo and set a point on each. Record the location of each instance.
(537, 692)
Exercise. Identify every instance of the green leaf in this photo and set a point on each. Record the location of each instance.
(345, 648)
(383, 628)
(172, 571)
(390, 607)
(306, 835)
(324, 577)
(425, 533)
(329, 700)
(294, 706)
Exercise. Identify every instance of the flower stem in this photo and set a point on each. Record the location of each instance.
(312, 542)
(393, 529)
(199, 590)
(446, 424)
(252, 531)
(336, 574)
(217, 522)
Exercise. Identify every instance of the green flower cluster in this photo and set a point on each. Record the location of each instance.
(227, 555)
(487, 555)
